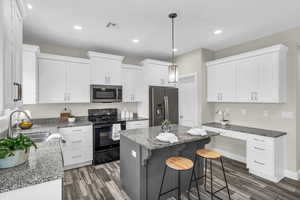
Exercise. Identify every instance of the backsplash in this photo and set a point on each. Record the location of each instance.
(80, 109)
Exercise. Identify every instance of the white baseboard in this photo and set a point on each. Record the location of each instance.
(287, 173)
(231, 155)
(292, 175)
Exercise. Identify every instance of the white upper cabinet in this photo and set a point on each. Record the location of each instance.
(30, 74)
(63, 79)
(52, 80)
(221, 82)
(156, 72)
(256, 77)
(105, 68)
(78, 82)
(11, 22)
(131, 81)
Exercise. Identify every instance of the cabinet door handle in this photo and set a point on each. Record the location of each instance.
(19, 92)
(77, 130)
(260, 163)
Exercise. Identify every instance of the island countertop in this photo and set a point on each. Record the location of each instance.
(147, 137)
(44, 164)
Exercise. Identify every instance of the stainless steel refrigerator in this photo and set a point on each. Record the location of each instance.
(163, 104)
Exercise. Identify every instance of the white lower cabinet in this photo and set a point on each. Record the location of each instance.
(265, 155)
(137, 124)
(77, 146)
(51, 190)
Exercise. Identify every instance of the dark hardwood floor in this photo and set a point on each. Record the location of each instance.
(102, 182)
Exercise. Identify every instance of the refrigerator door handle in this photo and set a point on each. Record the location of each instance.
(166, 102)
(153, 108)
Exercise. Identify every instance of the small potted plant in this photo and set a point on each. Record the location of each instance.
(15, 151)
(165, 126)
(71, 119)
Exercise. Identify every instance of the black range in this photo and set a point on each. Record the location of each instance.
(106, 136)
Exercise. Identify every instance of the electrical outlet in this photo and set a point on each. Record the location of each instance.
(266, 113)
(287, 115)
(244, 112)
(133, 153)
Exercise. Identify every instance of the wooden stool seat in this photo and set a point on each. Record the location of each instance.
(206, 153)
(179, 163)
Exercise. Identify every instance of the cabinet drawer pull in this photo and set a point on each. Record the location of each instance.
(259, 140)
(77, 141)
(257, 148)
(260, 163)
(77, 130)
(78, 156)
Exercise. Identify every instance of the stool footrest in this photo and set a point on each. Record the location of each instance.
(214, 193)
(164, 193)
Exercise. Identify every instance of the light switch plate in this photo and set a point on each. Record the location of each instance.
(287, 115)
(244, 112)
(133, 153)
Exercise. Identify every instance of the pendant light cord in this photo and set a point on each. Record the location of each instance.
(173, 55)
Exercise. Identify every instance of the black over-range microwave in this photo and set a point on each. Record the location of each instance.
(106, 93)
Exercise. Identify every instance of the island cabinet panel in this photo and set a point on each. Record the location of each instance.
(142, 161)
(51, 190)
(63, 79)
(253, 77)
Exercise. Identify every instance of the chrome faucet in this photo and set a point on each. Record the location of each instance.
(10, 126)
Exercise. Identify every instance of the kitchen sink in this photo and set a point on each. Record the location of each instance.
(39, 136)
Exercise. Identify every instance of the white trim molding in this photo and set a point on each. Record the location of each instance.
(155, 62)
(63, 58)
(195, 77)
(93, 54)
(292, 175)
(275, 48)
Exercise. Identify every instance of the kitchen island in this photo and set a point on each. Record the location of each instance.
(142, 159)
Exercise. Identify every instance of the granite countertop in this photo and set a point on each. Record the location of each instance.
(244, 129)
(55, 122)
(44, 164)
(146, 137)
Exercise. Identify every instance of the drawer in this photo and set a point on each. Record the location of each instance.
(227, 133)
(260, 139)
(75, 130)
(215, 130)
(137, 124)
(76, 156)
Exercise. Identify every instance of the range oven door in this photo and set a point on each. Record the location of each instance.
(105, 148)
(106, 93)
(103, 137)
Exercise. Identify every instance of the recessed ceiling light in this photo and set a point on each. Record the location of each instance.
(218, 32)
(175, 50)
(77, 27)
(135, 40)
(29, 6)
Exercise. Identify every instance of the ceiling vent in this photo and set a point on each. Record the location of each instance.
(112, 25)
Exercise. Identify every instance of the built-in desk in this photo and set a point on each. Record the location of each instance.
(265, 148)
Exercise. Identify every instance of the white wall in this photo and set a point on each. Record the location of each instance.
(80, 109)
(194, 62)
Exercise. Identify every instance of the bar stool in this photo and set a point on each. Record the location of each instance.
(179, 164)
(210, 155)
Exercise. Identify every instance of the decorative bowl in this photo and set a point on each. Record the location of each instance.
(25, 125)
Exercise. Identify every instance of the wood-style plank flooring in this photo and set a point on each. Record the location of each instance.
(102, 182)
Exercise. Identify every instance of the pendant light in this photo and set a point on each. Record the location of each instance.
(173, 68)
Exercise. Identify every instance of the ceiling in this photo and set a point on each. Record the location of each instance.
(52, 21)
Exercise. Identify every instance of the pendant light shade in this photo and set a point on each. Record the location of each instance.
(173, 68)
